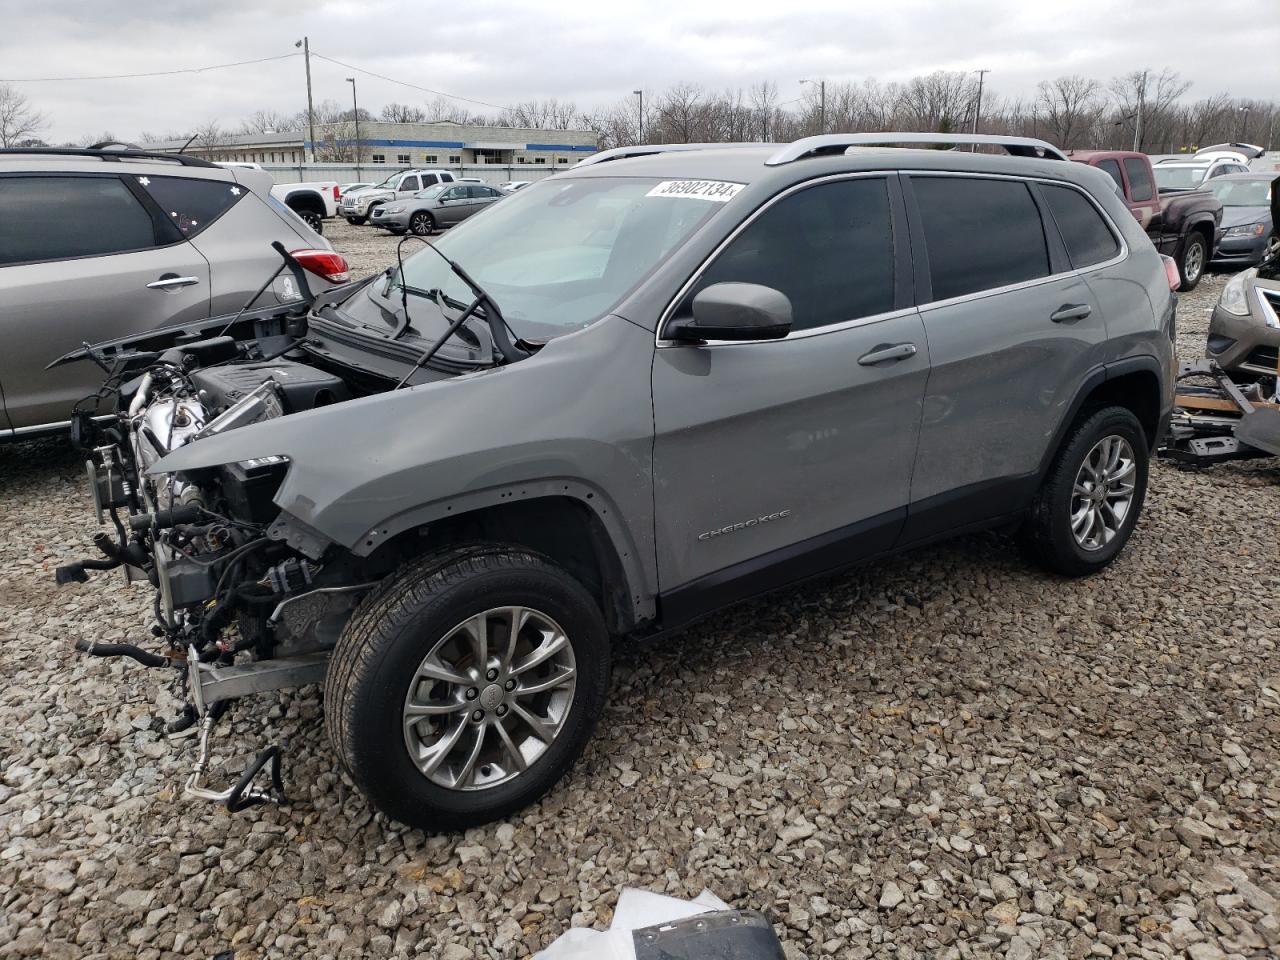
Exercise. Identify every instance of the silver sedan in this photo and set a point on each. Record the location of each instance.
(435, 207)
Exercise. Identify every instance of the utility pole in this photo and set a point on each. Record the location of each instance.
(1244, 123)
(640, 94)
(355, 115)
(1137, 125)
(305, 44)
(977, 110)
(822, 103)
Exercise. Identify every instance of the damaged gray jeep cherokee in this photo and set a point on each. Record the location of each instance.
(667, 380)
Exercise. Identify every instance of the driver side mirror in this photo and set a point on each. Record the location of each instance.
(734, 311)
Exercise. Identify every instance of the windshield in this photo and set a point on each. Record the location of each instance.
(1242, 193)
(561, 254)
(387, 184)
(430, 192)
(1169, 177)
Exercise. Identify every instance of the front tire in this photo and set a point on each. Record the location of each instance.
(357, 221)
(422, 224)
(1192, 260)
(441, 716)
(1089, 503)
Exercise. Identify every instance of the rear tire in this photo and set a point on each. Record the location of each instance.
(379, 703)
(1192, 260)
(1081, 518)
(312, 220)
(422, 224)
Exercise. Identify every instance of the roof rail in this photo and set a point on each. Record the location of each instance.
(644, 150)
(109, 155)
(841, 142)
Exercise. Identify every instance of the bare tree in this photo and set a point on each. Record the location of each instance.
(211, 141)
(1069, 107)
(1157, 93)
(764, 107)
(19, 120)
(941, 102)
(269, 121)
(403, 113)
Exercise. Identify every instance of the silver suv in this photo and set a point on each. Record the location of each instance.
(665, 381)
(96, 244)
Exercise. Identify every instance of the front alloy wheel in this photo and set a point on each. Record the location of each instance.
(422, 223)
(464, 687)
(490, 698)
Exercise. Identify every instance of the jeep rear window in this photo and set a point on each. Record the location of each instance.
(560, 254)
(1088, 238)
(981, 234)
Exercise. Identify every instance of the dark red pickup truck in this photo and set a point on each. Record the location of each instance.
(1184, 225)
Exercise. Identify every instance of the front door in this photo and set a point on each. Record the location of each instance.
(82, 259)
(776, 460)
(1013, 332)
(454, 204)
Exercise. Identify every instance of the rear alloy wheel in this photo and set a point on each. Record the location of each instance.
(1272, 247)
(465, 687)
(422, 224)
(1090, 500)
(312, 220)
(1195, 254)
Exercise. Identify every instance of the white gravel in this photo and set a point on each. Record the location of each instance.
(949, 755)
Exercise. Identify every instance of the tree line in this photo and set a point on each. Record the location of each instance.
(1152, 109)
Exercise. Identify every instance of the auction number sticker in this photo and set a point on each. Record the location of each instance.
(719, 191)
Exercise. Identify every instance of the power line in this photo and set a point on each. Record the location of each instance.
(405, 83)
(158, 73)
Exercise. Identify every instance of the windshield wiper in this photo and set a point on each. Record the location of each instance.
(492, 312)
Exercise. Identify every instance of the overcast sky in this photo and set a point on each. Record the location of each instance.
(502, 51)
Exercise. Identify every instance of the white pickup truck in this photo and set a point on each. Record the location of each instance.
(313, 202)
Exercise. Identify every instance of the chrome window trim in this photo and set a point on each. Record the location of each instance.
(661, 343)
(1120, 257)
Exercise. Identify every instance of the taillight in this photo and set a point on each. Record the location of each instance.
(1171, 272)
(337, 193)
(324, 263)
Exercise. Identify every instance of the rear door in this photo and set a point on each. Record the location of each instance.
(1013, 331)
(233, 228)
(83, 257)
(481, 197)
(779, 459)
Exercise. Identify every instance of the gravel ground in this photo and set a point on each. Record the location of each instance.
(949, 755)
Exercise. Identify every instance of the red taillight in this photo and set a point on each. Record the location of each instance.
(324, 263)
(337, 193)
(1171, 272)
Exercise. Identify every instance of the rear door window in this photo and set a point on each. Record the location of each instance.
(429, 180)
(1112, 168)
(1140, 185)
(59, 218)
(1088, 238)
(981, 234)
(192, 205)
(829, 248)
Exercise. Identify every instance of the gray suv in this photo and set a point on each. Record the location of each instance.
(102, 243)
(668, 380)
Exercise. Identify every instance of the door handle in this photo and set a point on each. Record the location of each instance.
(172, 283)
(1070, 312)
(884, 352)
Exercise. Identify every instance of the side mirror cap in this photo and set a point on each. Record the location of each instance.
(734, 311)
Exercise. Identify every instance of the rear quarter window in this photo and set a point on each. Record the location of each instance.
(1087, 237)
(1112, 169)
(192, 205)
(981, 234)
